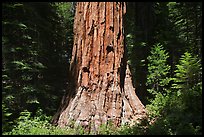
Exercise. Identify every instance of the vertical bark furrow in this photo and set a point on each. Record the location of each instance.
(138, 109)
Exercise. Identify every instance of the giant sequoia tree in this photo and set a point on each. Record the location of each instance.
(101, 88)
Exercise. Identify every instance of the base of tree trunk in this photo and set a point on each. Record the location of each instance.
(90, 109)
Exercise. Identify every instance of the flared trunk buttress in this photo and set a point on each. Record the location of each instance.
(102, 87)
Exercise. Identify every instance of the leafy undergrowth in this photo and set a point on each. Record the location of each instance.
(39, 125)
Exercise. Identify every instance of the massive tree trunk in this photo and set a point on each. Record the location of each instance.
(102, 88)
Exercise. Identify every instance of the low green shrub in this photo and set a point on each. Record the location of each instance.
(38, 125)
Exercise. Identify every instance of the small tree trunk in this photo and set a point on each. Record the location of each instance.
(102, 88)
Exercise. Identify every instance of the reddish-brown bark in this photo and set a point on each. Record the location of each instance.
(103, 87)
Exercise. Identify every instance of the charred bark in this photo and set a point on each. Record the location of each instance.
(102, 86)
